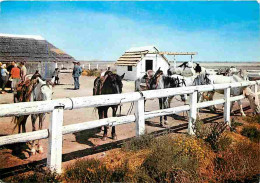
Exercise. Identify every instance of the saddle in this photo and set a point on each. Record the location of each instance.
(100, 82)
(24, 90)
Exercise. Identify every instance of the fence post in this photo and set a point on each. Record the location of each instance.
(88, 66)
(54, 157)
(193, 112)
(139, 117)
(227, 106)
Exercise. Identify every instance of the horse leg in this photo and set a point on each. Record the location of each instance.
(160, 104)
(113, 133)
(165, 106)
(33, 118)
(241, 108)
(41, 119)
(101, 116)
(231, 107)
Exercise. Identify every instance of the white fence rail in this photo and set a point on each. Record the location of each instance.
(57, 107)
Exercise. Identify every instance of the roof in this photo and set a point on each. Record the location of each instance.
(30, 48)
(134, 55)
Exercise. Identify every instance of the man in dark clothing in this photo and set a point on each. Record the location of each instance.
(76, 73)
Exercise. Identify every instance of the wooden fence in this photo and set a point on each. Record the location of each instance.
(57, 107)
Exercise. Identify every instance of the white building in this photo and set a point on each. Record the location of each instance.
(136, 61)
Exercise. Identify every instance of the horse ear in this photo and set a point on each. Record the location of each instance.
(52, 80)
(40, 81)
(122, 76)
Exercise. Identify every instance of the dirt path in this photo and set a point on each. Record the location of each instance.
(85, 143)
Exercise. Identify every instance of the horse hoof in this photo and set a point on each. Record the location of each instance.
(40, 150)
(104, 138)
(114, 137)
(166, 122)
(161, 125)
(33, 151)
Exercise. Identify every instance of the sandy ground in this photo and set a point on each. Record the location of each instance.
(87, 143)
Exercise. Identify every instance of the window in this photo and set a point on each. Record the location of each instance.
(129, 68)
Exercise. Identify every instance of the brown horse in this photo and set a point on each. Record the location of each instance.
(34, 89)
(108, 84)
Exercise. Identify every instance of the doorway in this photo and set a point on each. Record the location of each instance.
(148, 65)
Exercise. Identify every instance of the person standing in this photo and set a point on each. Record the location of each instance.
(4, 76)
(56, 75)
(23, 71)
(16, 76)
(75, 74)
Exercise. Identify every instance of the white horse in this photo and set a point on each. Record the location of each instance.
(37, 90)
(205, 78)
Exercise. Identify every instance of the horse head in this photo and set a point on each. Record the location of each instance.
(43, 90)
(198, 68)
(154, 80)
(116, 82)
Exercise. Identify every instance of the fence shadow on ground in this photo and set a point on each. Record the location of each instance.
(8, 172)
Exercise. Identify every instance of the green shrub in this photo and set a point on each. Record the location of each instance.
(213, 134)
(252, 133)
(167, 161)
(234, 124)
(91, 72)
(238, 163)
(92, 170)
(253, 119)
(139, 143)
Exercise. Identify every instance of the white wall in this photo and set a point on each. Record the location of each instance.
(129, 75)
(158, 61)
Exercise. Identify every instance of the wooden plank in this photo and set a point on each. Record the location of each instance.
(54, 156)
(23, 137)
(129, 59)
(131, 56)
(210, 103)
(174, 53)
(240, 97)
(24, 108)
(112, 121)
(168, 111)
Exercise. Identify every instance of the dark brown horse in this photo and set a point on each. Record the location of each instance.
(108, 84)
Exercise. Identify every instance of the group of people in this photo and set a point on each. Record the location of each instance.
(13, 73)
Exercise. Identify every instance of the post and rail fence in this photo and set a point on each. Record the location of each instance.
(57, 107)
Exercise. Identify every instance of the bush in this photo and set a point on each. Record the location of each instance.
(183, 159)
(234, 125)
(213, 134)
(37, 176)
(92, 72)
(252, 133)
(253, 119)
(238, 163)
(139, 143)
(92, 170)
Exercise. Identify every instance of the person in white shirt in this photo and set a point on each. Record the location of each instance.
(4, 76)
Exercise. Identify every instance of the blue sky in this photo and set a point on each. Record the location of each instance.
(218, 31)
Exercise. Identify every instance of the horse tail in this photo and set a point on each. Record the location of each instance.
(17, 121)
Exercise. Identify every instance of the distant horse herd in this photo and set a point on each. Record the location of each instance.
(187, 74)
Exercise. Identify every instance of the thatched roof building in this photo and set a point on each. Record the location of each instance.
(30, 49)
(38, 53)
